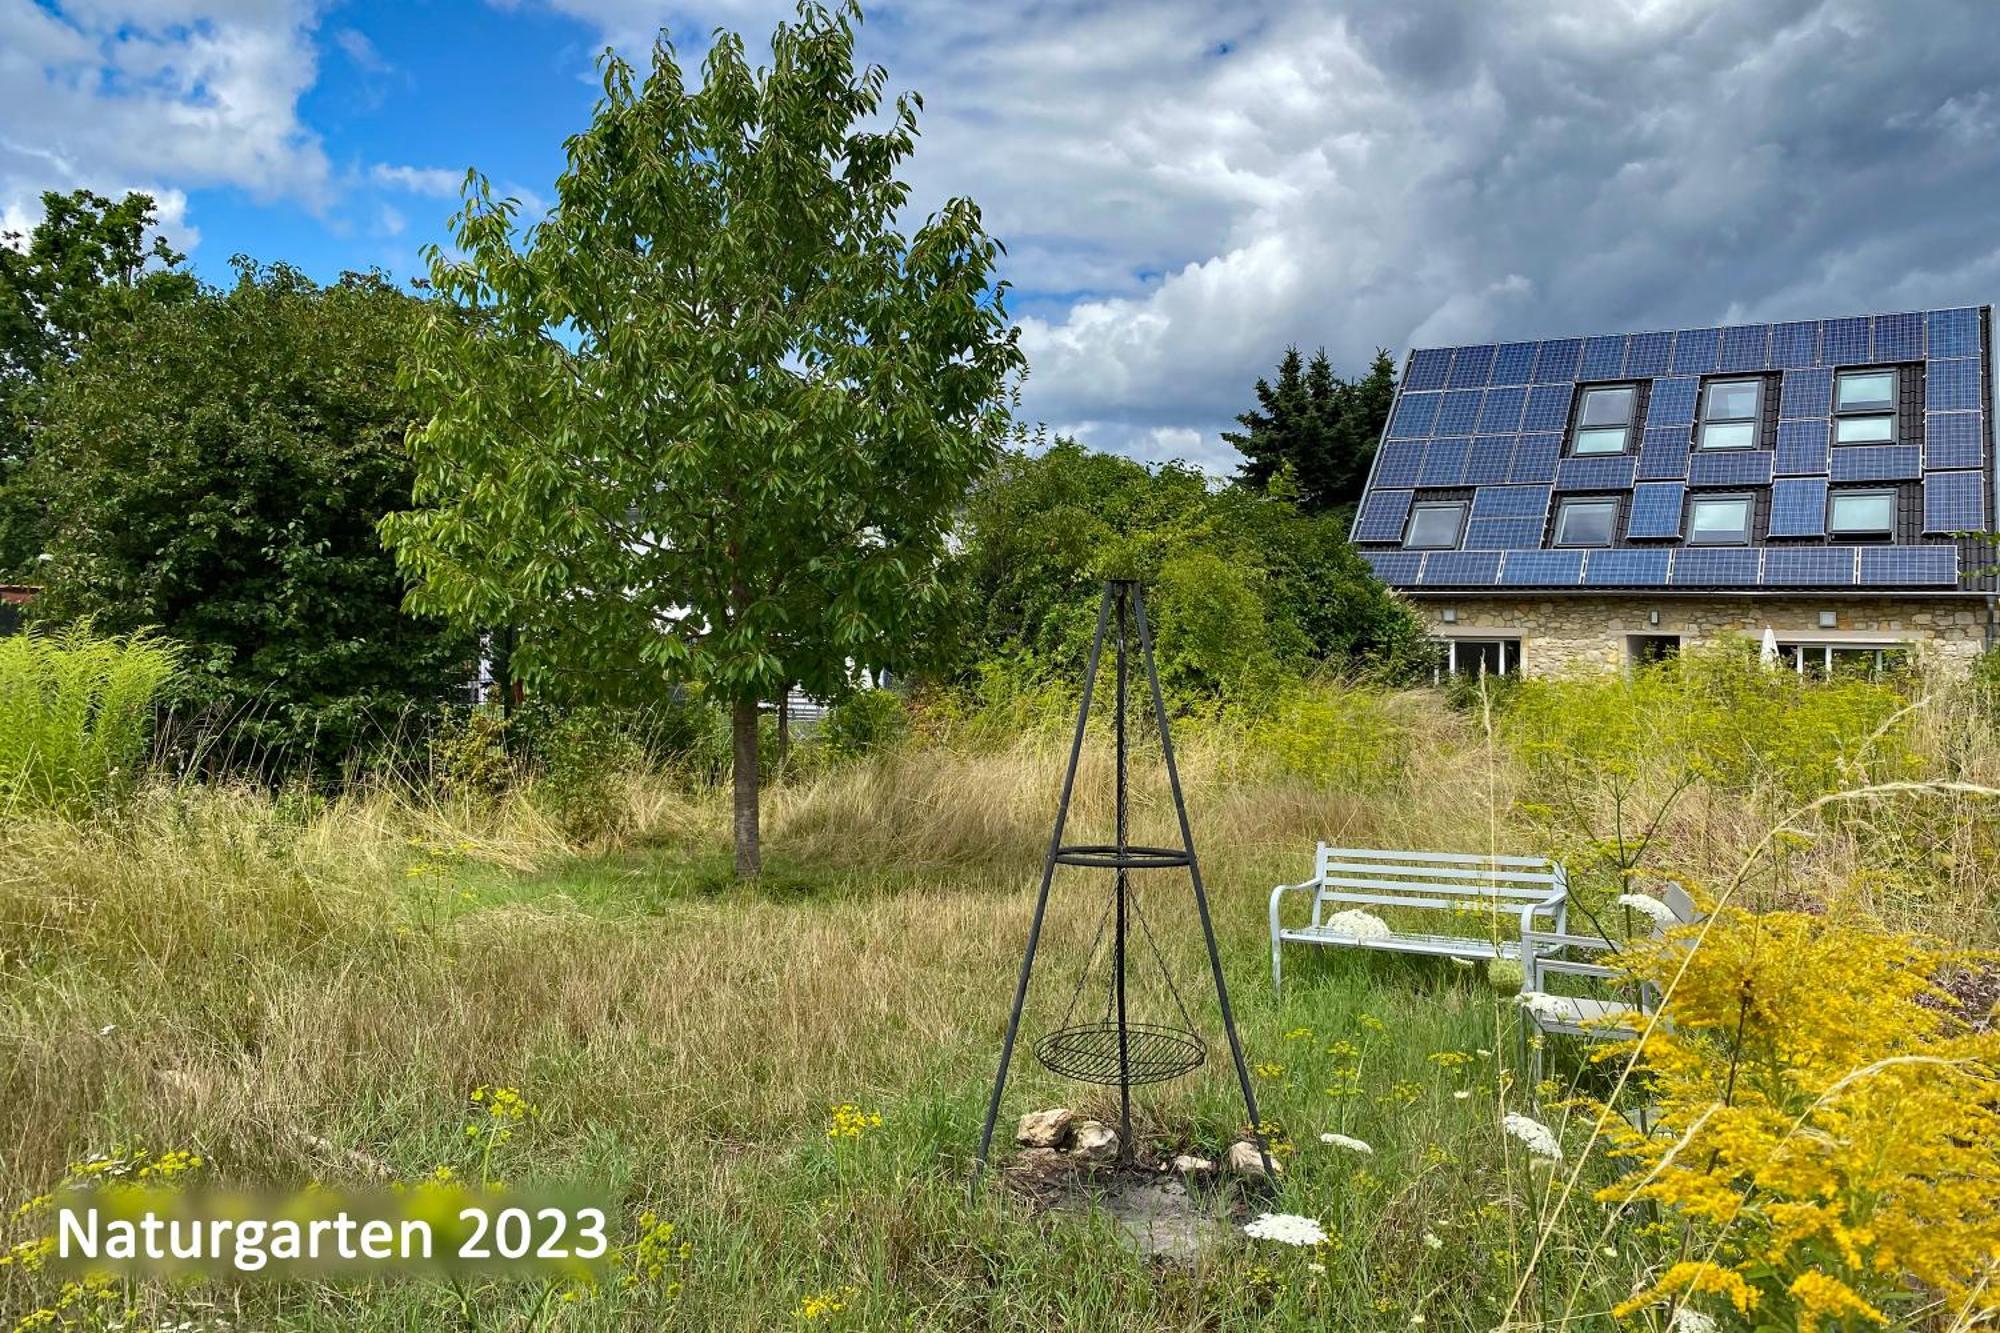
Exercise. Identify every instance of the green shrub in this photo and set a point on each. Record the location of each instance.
(1349, 738)
(584, 752)
(75, 712)
(469, 754)
(864, 723)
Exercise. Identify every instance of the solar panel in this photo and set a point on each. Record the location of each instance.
(1802, 447)
(1798, 507)
(1548, 407)
(1647, 354)
(1875, 462)
(1899, 337)
(1513, 363)
(1397, 567)
(1745, 346)
(1672, 403)
(1535, 458)
(1844, 342)
(1954, 332)
(1444, 463)
(1510, 502)
(1595, 474)
(1955, 502)
(1695, 351)
(1954, 439)
(1470, 366)
(1735, 467)
(1415, 414)
(1909, 566)
(1952, 386)
(1486, 462)
(1641, 568)
(1541, 569)
(1460, 569)
(1458, 413)
(1382, 516)
(1503, 534)
(1428, 368)
(1806, 393)
(1809, 566)
(1656, 509)
(1556, 361)
(1663, 453)
(1794, 344)
(1603, 358)
(1715, 567)
(1501, 410)
(1397, 463)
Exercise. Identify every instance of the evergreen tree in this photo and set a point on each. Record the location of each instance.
(1324, 427)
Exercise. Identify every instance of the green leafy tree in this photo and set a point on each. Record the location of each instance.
(1246, 588)
(1320, 429)
(709, 420)
(216, 468)
(87, 260)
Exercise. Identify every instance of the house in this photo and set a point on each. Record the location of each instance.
(1824, 484)
(14, 598)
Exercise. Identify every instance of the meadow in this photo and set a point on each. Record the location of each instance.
(293, 988)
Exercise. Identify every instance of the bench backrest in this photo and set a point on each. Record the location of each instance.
(1443, 880)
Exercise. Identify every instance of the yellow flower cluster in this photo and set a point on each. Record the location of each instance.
(649, 1257)
(504, 1109)
(1828, 1124)
(849, 1121)
(825, 1304)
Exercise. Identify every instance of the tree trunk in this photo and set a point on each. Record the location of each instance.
(743, 725)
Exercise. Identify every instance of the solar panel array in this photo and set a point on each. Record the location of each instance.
(1493, 418)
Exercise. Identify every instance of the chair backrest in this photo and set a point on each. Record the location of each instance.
(1446, 880)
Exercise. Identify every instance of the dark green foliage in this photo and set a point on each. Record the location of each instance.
(1315, 427)
(1244, 588)
(216, 468)
(863, 723)
(585, 752)
(89, 261)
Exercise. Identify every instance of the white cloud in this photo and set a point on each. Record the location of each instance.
(103, 93)
(1184, 187)
(440, 182)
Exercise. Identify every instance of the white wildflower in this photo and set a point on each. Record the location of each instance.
(1432, 1241)
(1288, 1228)
(1316, 1268)
(1357, 925)
(1462, 1095)
(1687, 1320)
(1539, 1138)
(1342, 1141)
(1647, 905)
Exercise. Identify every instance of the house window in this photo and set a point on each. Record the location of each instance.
(1604, 422)
(1481, 657)
(1729, 414)
(1864, 407)
(1435, 524)
(1646, 649)
(1861, 513)
(1827, 661)
(1586, 522)
(1719, 520)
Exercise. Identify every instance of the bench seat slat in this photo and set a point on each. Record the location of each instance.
(1456, 946)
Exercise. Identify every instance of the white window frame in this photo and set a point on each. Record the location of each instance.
(1884, 413)
(1756, 383)
(1799, 654)
(1510, 654)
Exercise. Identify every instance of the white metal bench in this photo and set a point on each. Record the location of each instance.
(1457, 883)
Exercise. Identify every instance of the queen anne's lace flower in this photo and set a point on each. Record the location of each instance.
(1357, 925)
(1539, 1138)
(1543, 1005)
(1690, 1320)
(1342, 1141)
(1647, 905)
(1286, 1228)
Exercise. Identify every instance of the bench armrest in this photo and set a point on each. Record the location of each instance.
(1278, 895)
(1557, 902)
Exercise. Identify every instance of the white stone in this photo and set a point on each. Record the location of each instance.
(1187, 1164)
(1044, 1129)
(1095, 1142)
(1245, 1161)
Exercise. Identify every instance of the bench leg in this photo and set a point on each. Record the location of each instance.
(1277, 966)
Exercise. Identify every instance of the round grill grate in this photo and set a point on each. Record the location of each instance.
(1088, 1053)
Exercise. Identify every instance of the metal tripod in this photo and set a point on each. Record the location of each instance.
(1120, 1052)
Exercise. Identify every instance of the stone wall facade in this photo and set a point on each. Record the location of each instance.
(1560, 633)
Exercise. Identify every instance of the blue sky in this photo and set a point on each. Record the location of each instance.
(1184, 187)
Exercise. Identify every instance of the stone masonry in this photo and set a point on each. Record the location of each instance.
(1561, 633)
